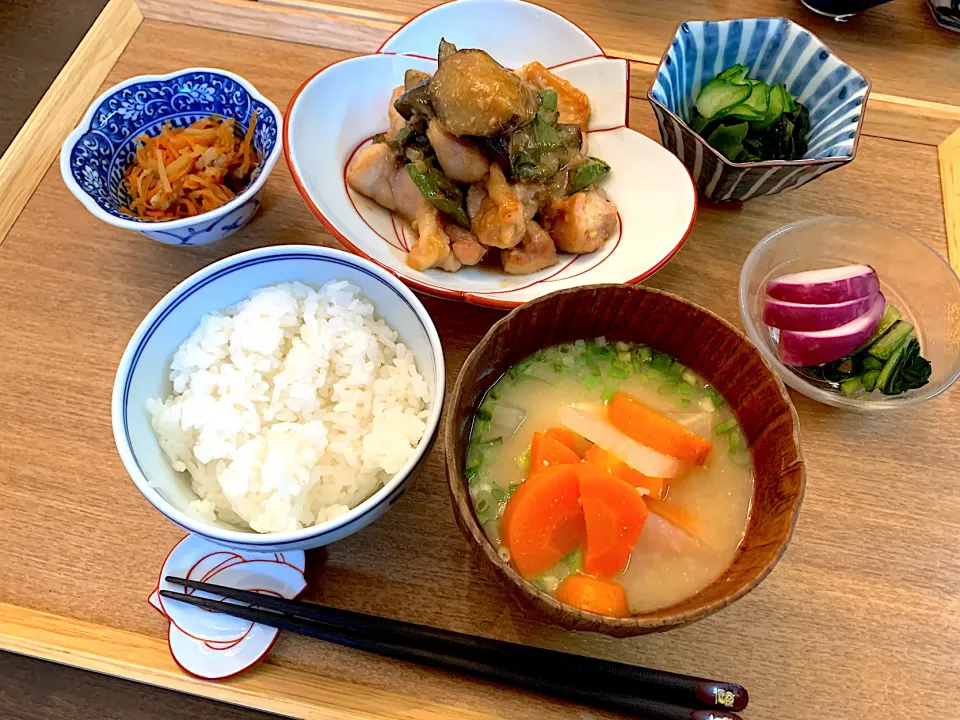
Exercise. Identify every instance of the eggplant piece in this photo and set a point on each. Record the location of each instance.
(416, 101)
(570, 135)
(473, 94)
(497, 149)
(445, 50)
(412, 78)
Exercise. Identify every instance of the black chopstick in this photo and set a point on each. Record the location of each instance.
(630, 688)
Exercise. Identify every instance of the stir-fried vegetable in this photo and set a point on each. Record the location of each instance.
(437, 188)
(747, 120)
(592, 171)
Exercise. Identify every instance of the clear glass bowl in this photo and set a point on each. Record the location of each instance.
(912, 276)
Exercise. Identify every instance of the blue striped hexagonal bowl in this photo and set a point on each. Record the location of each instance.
(777, 51)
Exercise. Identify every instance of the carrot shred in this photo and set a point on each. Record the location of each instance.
(596, 595)
(576, 442)
(183, 172)
(650, 428)
(607, 461)
(545, 451)
(614, 514)
(543, 520)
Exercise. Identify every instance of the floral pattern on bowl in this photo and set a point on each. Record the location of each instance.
(97, 153)
(777, 51)
(211, 645)
(653, 192)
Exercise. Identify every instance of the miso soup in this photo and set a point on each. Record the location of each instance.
(610, 476)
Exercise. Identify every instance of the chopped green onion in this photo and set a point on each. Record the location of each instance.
(714, 396)
(484, 414)
(623, 357)
(666, 389)
(514, 486)
(539, 584)
(685, 402)
(739, 457)
(591, 382)
(734, 441)
(684, 389)
(689, 377)
(471, 477)
(573, 560)
(623, 347)
(493, 442)
(643, 354)
(620, 370)
(498, 493)
(523, 462)
(725, 427)
(661, 362)
(677, 369)
(608, 393)
(595, 350)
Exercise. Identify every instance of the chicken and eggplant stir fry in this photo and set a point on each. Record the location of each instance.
(488, 166)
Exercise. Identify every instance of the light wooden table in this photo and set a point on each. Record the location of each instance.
(860, 619)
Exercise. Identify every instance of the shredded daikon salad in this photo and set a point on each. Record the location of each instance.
(183, 172)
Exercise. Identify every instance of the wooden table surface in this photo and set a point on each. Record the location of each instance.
(862, 615)
(36, 40)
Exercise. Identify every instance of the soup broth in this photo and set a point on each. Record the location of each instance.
(690, 535)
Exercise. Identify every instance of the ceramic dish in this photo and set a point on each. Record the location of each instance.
(144, 369)
(97, 153)
(698, 339)
(776, 51)
(339, 109)
(925, 289)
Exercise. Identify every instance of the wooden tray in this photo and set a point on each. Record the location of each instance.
(860, 618)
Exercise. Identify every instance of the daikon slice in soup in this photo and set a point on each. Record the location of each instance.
(610, 476)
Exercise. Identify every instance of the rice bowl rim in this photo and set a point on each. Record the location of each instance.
(218, 271)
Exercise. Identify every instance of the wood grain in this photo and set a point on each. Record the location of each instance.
(33, 689)
(862, 614)
(147, 659)
(709, 346)
(949, 153)
(342, 31)
(38, 142)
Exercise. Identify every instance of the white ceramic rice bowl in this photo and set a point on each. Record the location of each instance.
(144, 373)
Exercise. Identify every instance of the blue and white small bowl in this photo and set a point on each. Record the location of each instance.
(777, 51)
(145, 367)
(96, 155)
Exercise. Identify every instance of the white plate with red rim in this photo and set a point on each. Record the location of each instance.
(340, 108)
(211, 645)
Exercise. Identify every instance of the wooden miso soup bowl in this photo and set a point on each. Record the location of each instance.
(697, 338)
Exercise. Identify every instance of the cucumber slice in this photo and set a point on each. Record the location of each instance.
(718, 95)
(775, 104)
(789, 103)
(728, 140)
(736, 74)
(755, 106)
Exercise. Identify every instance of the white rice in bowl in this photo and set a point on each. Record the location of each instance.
(291, 407)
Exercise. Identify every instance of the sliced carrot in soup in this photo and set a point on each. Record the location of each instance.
(650, 428)
(614, 514)
(655, 487)
(576, 442)
(596, 595)
(543, 520)
(545, 451)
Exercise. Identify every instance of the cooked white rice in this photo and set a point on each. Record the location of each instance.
(291, 407)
